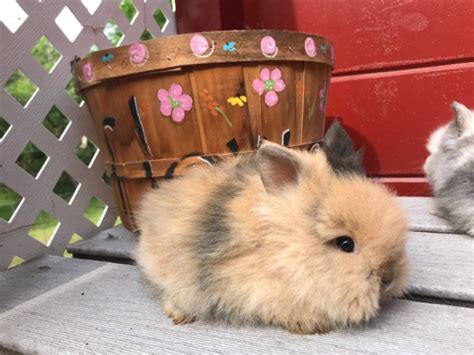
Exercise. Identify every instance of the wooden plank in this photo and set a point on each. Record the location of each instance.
(96, 313)
(441, 266)
(417, 210)
(115, 242)
(372, 35)
(392, 114)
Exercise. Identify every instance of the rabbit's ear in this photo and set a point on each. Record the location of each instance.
(464, 117)
(279, 167)
(338, 141)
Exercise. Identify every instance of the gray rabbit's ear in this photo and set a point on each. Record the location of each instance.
(464, 117)
(279, 167)
(338, 141)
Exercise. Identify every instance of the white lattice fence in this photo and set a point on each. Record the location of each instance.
(24, 125)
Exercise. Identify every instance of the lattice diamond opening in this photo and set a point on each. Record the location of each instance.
(13, 16)
(172, 5)
(95, 210)
(44, 228)
(4, 128)
(91, 5)
(129, 10)
(68, 24)
(160, 19)
(46, 54)
(32, 160)
(75, 238)
(10, 202)
(71, 91)
(146, 35)
(21, 87)
(15, 262)
(66, 187)
(113, 32)
(56, 122)
(94, 48)
(86, 151)
(106, 178)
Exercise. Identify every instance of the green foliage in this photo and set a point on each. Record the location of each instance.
(20, 87)
(128, 9)
(45, 53)
(71, 91)
(56, 122)
(160, 18)
(86, 152)
(4, 126)
(146, 35)
(112, 32)
(65, 187)
(9, 201)
(31, 159)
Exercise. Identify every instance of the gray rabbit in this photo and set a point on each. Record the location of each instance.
(450, 169)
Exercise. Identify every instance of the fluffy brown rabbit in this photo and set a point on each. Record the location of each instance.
(279, 239)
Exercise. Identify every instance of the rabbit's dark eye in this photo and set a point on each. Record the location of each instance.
(345, 243)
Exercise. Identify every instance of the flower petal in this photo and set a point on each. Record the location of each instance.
(321, 106)
(265, 74)
(258, 86)
(279, 85)
(185, 101)
(175, 90)
(165, 108)
(276, 74)
(271, 98)
(162, 95)
(178, 115)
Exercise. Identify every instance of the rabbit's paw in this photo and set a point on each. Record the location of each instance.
(176, 315)
(306, 328)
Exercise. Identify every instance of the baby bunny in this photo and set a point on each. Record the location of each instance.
(279, 239)
(450, 169)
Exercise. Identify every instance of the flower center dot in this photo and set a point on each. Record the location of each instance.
(269, 84)
(174, 103)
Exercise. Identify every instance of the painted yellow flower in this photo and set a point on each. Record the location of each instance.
(237, 100)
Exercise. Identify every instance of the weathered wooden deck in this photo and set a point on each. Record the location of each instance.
(53, 304)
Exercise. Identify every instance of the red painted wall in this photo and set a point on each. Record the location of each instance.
(399, 64)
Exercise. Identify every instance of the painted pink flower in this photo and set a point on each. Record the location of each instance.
(310, 47)
(268, 46)
(200, 46)
(138, 53)
(174, 103)
(271, 83)
(87, 71)
(323, 97)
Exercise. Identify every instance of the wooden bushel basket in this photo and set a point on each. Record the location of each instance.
(165, 105)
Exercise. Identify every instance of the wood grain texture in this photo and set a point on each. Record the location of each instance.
(441, 265)
(94, 312)
(392, 114)
(174, 53)
(417, 211)
(146, 137)
(373, 35)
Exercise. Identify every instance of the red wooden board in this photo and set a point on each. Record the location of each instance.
(370, 34)
(392, 114)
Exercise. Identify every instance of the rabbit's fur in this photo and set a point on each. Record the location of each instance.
(252, 241)
(450, 169)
